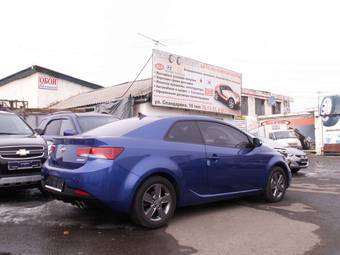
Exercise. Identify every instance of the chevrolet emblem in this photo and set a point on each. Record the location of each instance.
(22, 152)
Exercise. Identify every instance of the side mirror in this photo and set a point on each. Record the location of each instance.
(257, 142)
(39, 131)
(69, 132)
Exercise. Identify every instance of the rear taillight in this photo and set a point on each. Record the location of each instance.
(100, 152)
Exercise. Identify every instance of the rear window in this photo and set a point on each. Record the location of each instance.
(11, 124)
(185, 132)
(120, 127)
(87, 123)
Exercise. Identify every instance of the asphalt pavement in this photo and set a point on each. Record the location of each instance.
(307, 221)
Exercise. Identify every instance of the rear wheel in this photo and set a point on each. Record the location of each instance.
(154, 203)
(276, 185)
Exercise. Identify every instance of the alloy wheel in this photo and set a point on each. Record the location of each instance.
(156, 202)
(277, 185)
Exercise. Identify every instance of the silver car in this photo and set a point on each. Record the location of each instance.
(296, 159)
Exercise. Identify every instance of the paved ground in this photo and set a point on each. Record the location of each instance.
(306, 222)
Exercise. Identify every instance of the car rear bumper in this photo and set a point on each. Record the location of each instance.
(104, 181)
(20, 181)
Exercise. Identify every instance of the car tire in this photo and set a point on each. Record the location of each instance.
(330, 105)
(231, 103)
(295, 170)
(276, 185)
(43, 192)
(154, 203)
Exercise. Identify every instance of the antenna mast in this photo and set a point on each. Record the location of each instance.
(157, 42)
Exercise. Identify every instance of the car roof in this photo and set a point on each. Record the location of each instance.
(175, 118)
(6, 112)
(80, 114)
(183, 117)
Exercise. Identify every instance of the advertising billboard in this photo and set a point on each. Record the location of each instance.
(330, 116)
(185, 83)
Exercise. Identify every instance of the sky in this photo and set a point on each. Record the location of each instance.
(287, 47)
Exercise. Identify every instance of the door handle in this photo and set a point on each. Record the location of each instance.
(214, 157)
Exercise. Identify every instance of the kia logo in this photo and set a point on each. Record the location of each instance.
(159, 66)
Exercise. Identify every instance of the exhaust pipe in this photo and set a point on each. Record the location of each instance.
(80, 204)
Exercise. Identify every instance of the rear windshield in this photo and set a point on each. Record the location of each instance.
(11, 124)
(87, 123)
(120, 127)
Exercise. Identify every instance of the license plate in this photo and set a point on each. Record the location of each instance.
(54, 183)
(22, 165)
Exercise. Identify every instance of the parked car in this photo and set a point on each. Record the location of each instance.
(286, 138)
(148, 166)
(22, 153)
(296, 159)
(227, 96)
(68, 123)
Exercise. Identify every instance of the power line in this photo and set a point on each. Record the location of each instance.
(137, 76)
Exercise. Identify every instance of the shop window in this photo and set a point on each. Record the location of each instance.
(276, 109)
(259, 106)
(244, 105)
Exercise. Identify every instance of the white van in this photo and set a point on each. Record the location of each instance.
(286, 138)
(278, 131)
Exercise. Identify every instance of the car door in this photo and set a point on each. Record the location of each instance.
(186, 148)
(232, 162)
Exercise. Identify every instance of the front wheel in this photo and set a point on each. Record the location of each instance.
(276, 185)
(154, 203)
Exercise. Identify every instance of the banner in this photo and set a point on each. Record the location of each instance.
(185, 83)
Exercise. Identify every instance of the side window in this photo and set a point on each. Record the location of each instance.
(185, 132)
(66, 124)
(53, 127)
(216, 134)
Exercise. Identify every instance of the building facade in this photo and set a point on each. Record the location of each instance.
(40, 87)
(141, 91)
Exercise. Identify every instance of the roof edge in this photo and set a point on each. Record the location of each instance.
(35, 69)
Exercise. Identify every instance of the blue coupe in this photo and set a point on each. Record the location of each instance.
(148, 166)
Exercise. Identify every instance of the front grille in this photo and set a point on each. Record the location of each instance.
(21, 152)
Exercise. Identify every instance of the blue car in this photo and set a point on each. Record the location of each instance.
(148, 166)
